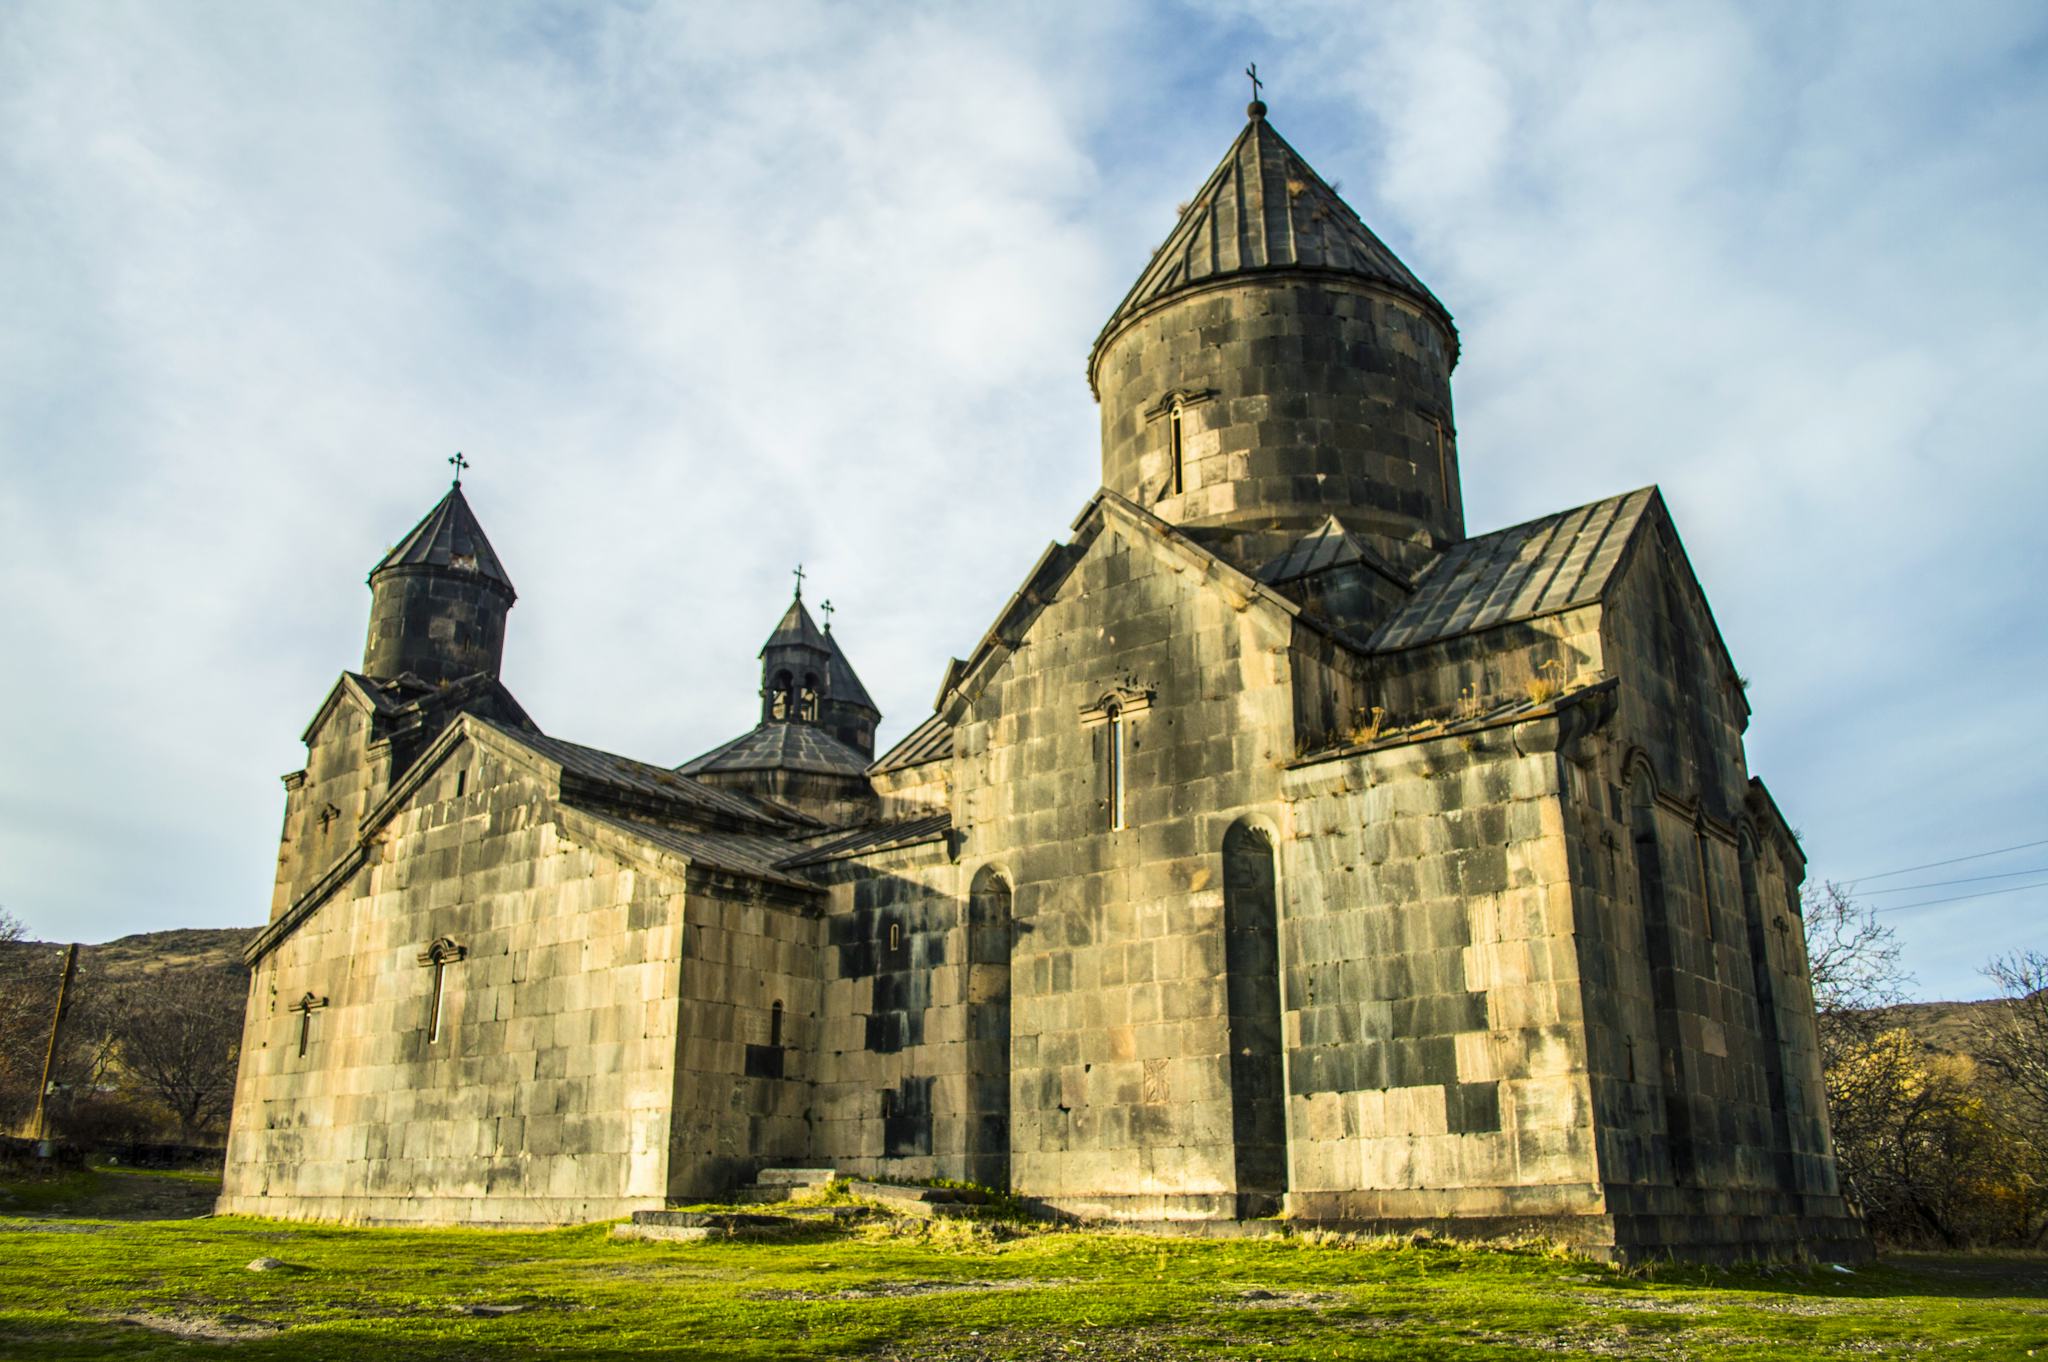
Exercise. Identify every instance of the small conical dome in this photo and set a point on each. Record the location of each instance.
(449, 537)
(797, 629)
(438, 600)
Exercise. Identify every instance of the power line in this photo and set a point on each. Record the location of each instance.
(1958, 898)
(1967, 879)
(1930, 865)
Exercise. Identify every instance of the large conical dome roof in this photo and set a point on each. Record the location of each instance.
(1263, 208)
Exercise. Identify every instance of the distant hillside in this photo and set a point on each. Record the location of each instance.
(1948, 1027)
(144, 954)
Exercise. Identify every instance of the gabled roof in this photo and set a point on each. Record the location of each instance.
(841, 684)
(393, 699)
(582, 776)
(1263, 208)
(1059, 560)
(1327, 546)
(1542, 566)
(732, 852)
(641, 779)
(448, 537)
(931, 740)
(780, 747)
(931, 827)
(797, 629)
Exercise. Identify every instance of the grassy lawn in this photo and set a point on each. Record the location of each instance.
(77, 1284)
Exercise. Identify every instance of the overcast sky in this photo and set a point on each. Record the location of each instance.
(708, 290)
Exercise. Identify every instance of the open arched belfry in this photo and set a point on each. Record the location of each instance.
(1282, 848)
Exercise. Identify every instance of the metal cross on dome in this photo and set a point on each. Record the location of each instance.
(1253, 72)
(460, 464)
(799, 575)
(827, 609)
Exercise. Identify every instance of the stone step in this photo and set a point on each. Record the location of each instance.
(794, 1177)
(919, 1200)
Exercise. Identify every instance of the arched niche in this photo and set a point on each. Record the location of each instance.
(1251, 959)
(989, 938)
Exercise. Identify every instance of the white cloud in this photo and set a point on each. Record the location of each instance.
(705, 291)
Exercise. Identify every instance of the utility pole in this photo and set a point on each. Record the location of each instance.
(37, 1122)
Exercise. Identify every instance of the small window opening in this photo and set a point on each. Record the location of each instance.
(1176, 446)
(895, 936)
(1699, 838)
(781, 697)
(775, 1024)
(1443, 458)
(434, 1007)
(461, 783)
(809, 711)
(1115, 758)
(304, 1007)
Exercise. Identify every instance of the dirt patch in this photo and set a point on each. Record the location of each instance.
(1260, 1298)
(1018, 1345)
(889, 1290)
(212, 1328)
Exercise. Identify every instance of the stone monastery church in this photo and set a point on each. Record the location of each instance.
(1282, 848)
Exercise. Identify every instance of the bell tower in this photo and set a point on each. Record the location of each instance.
(1275, 365)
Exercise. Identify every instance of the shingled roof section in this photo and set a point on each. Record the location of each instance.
(841, 683)
(1540, 567)
(931, 740)
(732, 852)
(1327, 546)
(875, 837)
(1263, 208)
(797, 629)
(780, 747)
(449, 537)
(640, 778)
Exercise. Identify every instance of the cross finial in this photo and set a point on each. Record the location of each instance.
(1257, 107)
(799, 574)
(827, 609)
(460, 464)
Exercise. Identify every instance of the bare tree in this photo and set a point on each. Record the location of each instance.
(1853, 964)
(2015, 1036)
(177, 1040)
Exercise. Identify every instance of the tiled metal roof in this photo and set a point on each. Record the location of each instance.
(448, 537)
(1264, 208)
(875, 837)
(639, 777)
(1328, 545)
(732, 852)
(1538, 568)
(929, 741)
(840, 682)
(781, 747)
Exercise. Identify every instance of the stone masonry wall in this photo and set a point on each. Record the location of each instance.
(1121, 1081)
(750, 1027)
(1700, 1025)
(892, 1080)
(325, 803)
(1436, 1049)
(546, 1097)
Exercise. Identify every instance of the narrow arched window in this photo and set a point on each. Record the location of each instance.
(1114, 759)
(808, 710)
(1176, 445)
(1699, 837)
(779, 696)
(775, 1023)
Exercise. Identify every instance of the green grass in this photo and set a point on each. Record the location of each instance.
(909, 1289)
